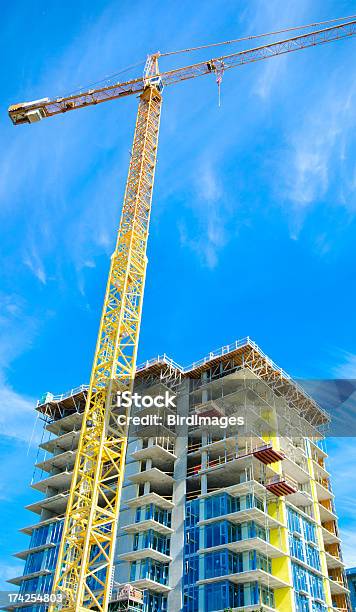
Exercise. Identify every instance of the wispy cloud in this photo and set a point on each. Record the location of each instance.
(315, 155)
(209, 206)
(267, 19)
(33, 261)
(342, 457)
(17, 416)
(273, 71)
(17, 331)
(10, 571)
(348, 537)
(346, 365)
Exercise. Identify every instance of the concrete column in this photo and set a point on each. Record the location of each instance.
(176, 570)
(204, 484)
(204, 459)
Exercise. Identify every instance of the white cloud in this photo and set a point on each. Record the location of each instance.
(342, 461)
(315, 154)
(272, 17)
(210, 208)
(272, 72)
(9, 571)
(346, 366)
(17, 415)
(33, 262)
(348, 546)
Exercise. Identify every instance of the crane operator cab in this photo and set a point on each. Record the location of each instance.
(154, 81)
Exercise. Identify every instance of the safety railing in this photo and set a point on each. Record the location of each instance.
(50, 397)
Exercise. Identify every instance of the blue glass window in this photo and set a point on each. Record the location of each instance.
(150, 569)
(313, 557)
(153, 512)
(309, 530)
(296, 547)
(299, 578)
(293, 521)
(301, 603)
(221, 504)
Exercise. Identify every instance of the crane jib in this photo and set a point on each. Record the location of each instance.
(31, 112)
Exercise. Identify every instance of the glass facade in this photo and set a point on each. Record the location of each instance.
(152, 539)
(225, 595)
(303, 547)
(191, 558)
(223, 503)
(46, 534)
(154, 602)
(223, 562)
(149, 569)
(41, 560)
(144, 513)
(225, 532)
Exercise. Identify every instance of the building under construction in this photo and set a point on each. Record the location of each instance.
(211, 519)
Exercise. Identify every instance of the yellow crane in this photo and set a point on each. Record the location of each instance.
(85, 561)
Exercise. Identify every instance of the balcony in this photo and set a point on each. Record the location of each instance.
(248, 514)
(293, 447)
(225, 466)
(66, 424)
(162, 456)
(147, 524)
(281, 485)
(317, 448)
(297, 469)
(256, 575)
(302, 499)
(19, 579)
(160, 480)
(149, 574)
(58, 462)
(326, 510)
(56, 504)
(323, 489)
(23, 554)
(336, 581)
(151, 498)
(224, 442)
(254, 543)
(60, 482)
(329, 533)
(30, 528)
(144, 553)
(68, 441)
(151, 585)
(320, 471)
(333, 561)
(208, 409)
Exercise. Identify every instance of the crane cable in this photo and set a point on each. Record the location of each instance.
(106, 79)
(109, 78)
(253, 37)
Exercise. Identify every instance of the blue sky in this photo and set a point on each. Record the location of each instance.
(253, 216)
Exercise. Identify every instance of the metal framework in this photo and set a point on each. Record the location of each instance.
(84, 565)
(19, 113)
(83, 574)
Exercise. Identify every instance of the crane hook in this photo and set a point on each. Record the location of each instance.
(219, 77)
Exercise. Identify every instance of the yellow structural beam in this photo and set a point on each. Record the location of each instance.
(85, 562)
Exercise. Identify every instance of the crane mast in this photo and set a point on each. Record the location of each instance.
(85, 562)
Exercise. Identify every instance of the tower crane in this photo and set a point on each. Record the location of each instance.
(84, 568)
